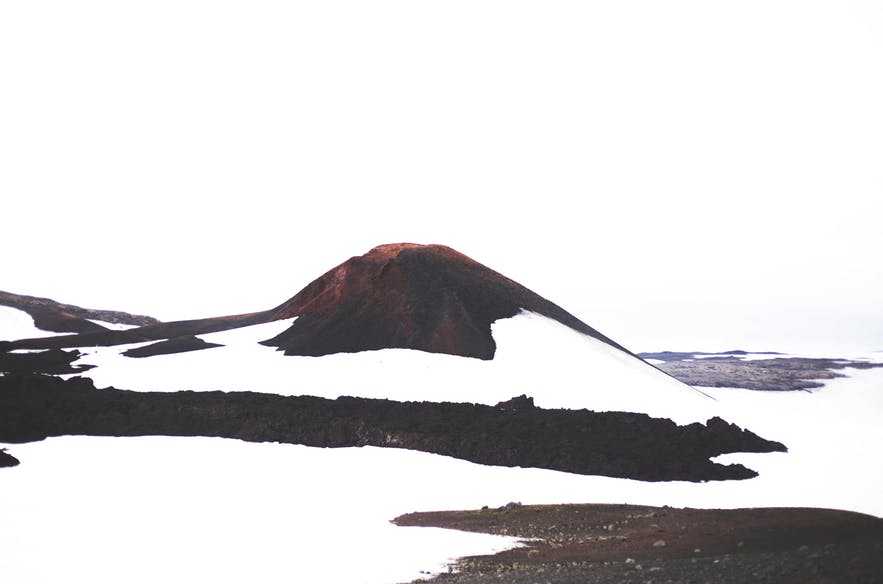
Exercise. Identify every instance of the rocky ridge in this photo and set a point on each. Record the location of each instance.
(513, 433)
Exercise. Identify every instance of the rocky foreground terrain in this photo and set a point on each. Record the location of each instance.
(608, 544)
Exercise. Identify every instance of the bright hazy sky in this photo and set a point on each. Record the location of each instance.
(680, 175)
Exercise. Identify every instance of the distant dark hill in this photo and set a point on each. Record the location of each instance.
(56, 317)
(426, 297)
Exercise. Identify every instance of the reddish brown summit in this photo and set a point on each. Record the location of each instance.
(404, 295)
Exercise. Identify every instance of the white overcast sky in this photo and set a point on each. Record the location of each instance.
(680, 175)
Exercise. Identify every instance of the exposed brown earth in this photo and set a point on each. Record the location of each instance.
(627, 543)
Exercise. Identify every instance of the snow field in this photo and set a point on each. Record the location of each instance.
(201, 509)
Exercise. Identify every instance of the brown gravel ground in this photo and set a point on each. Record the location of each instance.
(567, 544)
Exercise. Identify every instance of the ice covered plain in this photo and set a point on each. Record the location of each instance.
(145, 509)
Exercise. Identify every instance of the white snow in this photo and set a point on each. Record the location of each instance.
(160, 509)
(114, 326)
(834, 439)
(17, 324)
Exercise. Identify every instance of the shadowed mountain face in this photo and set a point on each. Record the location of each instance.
(426, 297)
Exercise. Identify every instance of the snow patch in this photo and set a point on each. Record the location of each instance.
(114, 326)
(17, 324)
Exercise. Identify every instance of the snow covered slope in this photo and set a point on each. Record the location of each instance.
(17, 324)
(536, 356)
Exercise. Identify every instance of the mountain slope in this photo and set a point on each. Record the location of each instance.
(409, 296)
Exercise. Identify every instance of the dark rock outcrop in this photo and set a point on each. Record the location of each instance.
(50, 361)
(514, 433)
(7, 460)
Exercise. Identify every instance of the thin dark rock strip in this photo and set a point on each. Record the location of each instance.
(182, 344)
(513, 433)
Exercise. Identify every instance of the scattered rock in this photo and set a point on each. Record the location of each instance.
(776, 373)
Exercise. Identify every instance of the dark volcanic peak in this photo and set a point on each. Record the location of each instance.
(404, 295)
